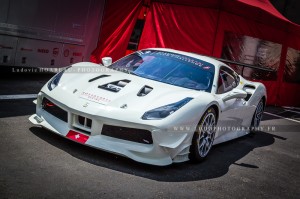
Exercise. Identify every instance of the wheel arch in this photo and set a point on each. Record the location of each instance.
(216, 108)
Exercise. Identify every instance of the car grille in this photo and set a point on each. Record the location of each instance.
(54, 110)
(83, 124)
(130, 134)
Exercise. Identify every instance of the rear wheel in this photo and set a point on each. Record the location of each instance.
(257, 115)
(204, 136)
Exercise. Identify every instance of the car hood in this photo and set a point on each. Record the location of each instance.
(117, 90)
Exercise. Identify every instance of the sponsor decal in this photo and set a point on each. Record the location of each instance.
(124, 106)
(85, 104)
(66, 52)
(78, 137)
(77, 54)
(26, 49)
(182, 57)
(42, 50)
(94, 97)
(5, 47)
(55, 52)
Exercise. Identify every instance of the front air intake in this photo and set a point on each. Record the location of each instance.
(54, 110)
(130, 134)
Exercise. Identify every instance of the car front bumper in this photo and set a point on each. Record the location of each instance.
(166, 146)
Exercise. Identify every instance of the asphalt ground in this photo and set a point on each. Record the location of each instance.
(35, 163)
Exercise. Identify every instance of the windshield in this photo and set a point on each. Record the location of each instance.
(170, 68)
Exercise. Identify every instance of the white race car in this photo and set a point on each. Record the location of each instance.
(155, 106)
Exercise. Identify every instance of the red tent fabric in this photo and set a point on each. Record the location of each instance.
(172, 23)
(176, 26)
(118, 23)
(199, 26)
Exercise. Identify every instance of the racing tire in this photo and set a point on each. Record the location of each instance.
(256, 119)
(204, 136)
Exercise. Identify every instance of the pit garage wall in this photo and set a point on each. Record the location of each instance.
(202, 30)
(43, 33)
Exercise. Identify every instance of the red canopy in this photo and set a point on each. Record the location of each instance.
(251, 17)
(200, 26)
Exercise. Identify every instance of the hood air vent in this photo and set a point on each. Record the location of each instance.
(144, 91)
(115, 86)
(98, 77)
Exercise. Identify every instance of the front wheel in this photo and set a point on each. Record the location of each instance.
(204, 136)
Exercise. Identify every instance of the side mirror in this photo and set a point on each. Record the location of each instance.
(106, 61)
(235, 93)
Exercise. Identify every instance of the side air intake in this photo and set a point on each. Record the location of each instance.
(249, 90)
(249, 86)
(144, 91)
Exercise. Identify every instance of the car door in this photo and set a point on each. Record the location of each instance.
(232, 111)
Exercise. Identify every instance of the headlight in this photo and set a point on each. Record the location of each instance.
(55, 80)
(165, 111)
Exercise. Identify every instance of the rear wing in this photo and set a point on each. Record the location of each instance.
(240, 64)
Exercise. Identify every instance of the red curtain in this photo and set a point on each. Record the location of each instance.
(194, 27)
(117, 25)
(186, 28)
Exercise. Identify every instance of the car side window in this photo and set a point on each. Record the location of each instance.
(227, 81)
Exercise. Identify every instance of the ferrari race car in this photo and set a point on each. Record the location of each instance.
(155, 106)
